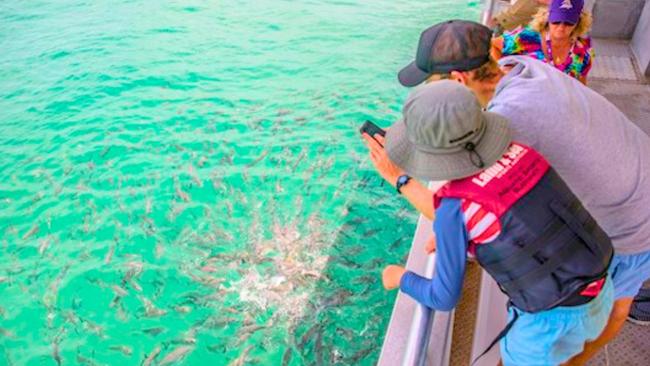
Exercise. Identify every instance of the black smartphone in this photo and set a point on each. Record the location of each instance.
(372, 129)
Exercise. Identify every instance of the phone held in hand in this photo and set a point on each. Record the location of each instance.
(372, 129)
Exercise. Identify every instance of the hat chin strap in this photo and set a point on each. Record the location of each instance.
(471, 148)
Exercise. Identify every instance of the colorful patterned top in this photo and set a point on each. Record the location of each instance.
(526, 41)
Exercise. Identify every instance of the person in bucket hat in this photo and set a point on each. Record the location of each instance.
(598, 151)
(506, 206)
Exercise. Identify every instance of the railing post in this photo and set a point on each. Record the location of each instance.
(487, 13)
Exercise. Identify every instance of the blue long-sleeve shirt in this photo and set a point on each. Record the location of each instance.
(443, 290)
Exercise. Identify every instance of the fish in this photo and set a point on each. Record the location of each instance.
(136, 286)
(125, 350)
(309, 334)
(183, 309)
(33, 231)
(347, 262)
(338, 298)
(202, 161)
(346, 334)
(302, 155)
(286, 357)
(95, 328)
(250, 329)
(38, 196)
(82, 360)
(360, 355)
(229, 208)
(231, 310)
(174, 211)
(105, 151)
(278, 187)
(150, 309)
(209, 268)
(318, 348)
(258, 159)
(176, 355)
(154, 331)
(371, 232)
(241, 360)
(148, 204)
(119, 291)
(368, 279)
(6, 333)
(151, 356)
(195, 176)
(109, 254)
(43, 245)
(55, 353)
(395, 244)
(283, 112)
(135, 270)
(217, 182)
(159, 250)
(182, 194)
(218, 323)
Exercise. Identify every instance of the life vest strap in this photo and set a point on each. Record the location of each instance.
(532, 278)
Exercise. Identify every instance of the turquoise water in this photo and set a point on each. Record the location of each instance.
(183, 182)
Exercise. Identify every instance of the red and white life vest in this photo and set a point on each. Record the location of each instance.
(530, 232)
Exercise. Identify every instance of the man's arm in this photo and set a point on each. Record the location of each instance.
(415, 192)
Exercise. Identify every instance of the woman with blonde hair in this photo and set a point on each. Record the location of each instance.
(557, 35)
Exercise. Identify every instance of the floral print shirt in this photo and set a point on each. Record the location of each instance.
(526, 41)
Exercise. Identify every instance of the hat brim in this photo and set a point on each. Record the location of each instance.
(448, 166)
(558, 16)
(411, 75)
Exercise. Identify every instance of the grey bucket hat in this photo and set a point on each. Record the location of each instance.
(444, 134)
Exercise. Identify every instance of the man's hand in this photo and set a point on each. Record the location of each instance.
(430, 246)
(392, 276)
(386, 168)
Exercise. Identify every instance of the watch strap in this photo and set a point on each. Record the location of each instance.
(402, 180)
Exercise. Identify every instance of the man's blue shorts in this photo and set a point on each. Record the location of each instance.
(552, 337)
(628, 273)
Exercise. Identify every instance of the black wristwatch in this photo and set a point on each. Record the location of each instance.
(401, 182)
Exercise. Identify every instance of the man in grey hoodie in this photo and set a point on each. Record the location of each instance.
(598, 151)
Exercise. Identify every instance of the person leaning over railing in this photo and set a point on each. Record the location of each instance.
(602, 156)
(556, 35)
(512, 211)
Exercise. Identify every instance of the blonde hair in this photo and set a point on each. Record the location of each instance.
(540, 22)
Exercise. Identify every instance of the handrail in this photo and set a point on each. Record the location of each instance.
(408, 335)
(420, 327)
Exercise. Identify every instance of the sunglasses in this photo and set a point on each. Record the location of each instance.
(568, 24)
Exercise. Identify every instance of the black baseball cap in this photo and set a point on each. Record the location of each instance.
(459, 45)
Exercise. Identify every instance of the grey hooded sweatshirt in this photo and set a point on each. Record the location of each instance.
(602, 156)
